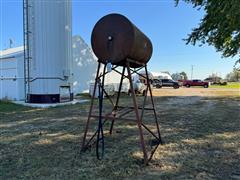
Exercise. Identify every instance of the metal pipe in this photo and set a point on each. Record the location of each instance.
(37, 78)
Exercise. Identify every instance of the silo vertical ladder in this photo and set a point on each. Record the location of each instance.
(27, 56)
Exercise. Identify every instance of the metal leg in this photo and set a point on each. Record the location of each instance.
(91, 107)
(117, 101)
(100, 135)
(144, 102)
(154, 111)
(137, 115)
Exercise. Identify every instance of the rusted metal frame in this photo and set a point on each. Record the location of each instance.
(124, 76)
(100, 135)
(135, 62)
(119, 89)
(154, 110)
(124, 119)
(136, 72)
(114, 113)
(91, 107)
(138, 108)
(119, 113)
(150, 131)
(125, 113)
(132, 72)
(144, 101)
(101, 75)
(152, 153)
(108, 97)
(89, 141)
(117, 101)
(116, 118)
(102, 85)
(145, 156)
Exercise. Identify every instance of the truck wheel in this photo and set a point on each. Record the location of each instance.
(158, 86)
(175, 87)
(188, 85)
(205, 86)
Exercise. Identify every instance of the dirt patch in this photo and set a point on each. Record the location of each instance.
(206, 92)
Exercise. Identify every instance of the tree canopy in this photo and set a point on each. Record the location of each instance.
(184, 75)
(179, 76)
(234, 75)
(219, 27)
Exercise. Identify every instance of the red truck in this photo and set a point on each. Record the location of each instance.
(195, 82)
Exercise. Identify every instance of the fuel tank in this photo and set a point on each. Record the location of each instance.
(115, 39)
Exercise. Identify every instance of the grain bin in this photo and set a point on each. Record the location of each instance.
(49, 25)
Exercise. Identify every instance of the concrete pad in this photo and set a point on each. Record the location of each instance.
(75, 101)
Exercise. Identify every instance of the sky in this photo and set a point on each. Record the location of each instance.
(165, 24)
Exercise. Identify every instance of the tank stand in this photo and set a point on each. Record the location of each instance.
(118, 112)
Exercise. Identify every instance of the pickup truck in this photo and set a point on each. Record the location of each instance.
(195, 82)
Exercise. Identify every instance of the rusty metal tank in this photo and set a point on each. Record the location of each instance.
(115, 39)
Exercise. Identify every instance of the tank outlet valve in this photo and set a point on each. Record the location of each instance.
(109, 67)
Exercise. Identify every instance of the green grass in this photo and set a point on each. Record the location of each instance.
(235, 85)
(201, 134)
(7, 106)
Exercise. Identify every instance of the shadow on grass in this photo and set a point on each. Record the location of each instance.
(201, 142)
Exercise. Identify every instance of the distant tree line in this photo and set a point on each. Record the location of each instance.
(233, 76)
(179, 76)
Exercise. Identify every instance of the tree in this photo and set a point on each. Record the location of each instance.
(213, 78)
(184, 75)
(219, 27)
(176, 76)
(233, 76)
(179, 76)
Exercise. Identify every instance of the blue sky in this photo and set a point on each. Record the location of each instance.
(165, 24)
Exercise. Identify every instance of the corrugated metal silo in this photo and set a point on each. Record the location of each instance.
(49, 34)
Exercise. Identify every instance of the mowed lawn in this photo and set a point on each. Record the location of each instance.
(235, 85)
(201, 135)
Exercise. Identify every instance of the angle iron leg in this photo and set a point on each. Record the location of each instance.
(91, 107)
(154, 110)
(145, 156)
(100, 135)
(118, 96)
(144, 102)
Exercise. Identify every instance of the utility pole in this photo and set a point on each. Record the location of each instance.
(191, 72)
